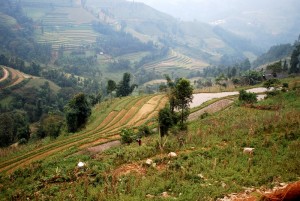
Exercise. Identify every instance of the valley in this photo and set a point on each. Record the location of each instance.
(115, 100)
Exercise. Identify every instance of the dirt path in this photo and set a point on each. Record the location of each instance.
(215, 107)
(5, 76)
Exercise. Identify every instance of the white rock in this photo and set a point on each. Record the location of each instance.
(248, 150)
(172, 154)
(81, 164)
(201, 176)
(149, 162)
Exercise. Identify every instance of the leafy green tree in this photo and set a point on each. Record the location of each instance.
(165, 120)
(50, 125)
(124, 88)
(128, 135)
(6, 129)
(272, 83)
(95, 98)
(183, 97)
(21, 125)
(275, 67)
(14, 126)
(252, 77)
(111, 86)
(77, 112)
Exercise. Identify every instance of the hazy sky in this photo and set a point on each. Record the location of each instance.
(210, 10)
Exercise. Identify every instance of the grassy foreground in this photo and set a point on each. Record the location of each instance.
(209, 165)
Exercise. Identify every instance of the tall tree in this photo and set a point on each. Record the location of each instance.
(14, 126)
(165, 120)
(77, 112)
(295, 68)
(183, 98)
(6, 129)
(171, 93)
(111, 86)
(124, 88)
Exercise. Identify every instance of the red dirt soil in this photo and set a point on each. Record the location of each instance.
(290, 193)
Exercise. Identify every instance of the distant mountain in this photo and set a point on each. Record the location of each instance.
(264, 22)
(196, 39)
(59, 24)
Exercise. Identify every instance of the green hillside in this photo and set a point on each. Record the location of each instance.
(58, 24)
(210, 162)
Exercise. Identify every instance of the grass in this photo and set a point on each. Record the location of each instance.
(210, 163)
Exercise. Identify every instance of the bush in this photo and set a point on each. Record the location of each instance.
(271, 83)
(128, 135)
(144, 131)
(247, 97)
(285, 85)
(272, 93)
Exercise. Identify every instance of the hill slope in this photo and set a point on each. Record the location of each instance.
(210, 162)
(57, 23)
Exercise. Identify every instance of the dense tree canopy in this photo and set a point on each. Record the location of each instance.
(295, 68)
(14, 126)
(124, 88)
(77, 112)
(183, 97)
(165, 120)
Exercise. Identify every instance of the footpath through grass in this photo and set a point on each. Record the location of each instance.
(209, 165)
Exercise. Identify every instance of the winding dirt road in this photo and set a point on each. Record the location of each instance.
(5, 76)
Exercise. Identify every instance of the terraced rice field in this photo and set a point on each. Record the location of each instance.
(69, 39)
(108, 120)
(62, 26)
(175, 61)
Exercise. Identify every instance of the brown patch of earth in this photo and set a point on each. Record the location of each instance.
(103, 147)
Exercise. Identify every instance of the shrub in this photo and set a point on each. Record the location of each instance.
(247, 97)
(285, 85)
(128, 135)
(144, 131)
(271, 83)
(272, 93)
